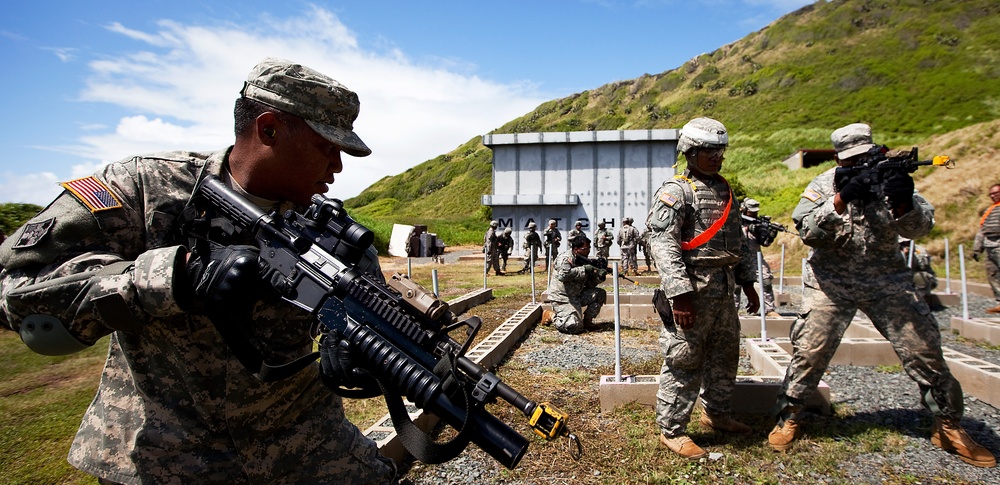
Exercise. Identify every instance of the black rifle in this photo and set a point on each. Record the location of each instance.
(762, 228)
(398, 332)
(878, 165)
(602, 265)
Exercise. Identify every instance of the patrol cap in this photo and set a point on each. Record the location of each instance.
(327, 106)
(851, 140)
(751, 205)
(702, 133)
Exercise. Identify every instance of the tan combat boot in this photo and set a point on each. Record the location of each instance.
(783, 435)
(723, 422)
(682, 445)
(995, 309)
(547, 316)
(948, 435)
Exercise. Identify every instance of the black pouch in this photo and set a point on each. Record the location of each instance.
(662, 305)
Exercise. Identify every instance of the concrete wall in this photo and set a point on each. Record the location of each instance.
(589, 175)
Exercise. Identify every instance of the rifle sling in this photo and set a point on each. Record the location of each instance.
(248, 355)
(419, 443)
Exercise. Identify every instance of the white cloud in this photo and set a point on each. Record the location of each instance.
(180, 93)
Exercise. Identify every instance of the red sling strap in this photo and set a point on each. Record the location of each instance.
(703, 238)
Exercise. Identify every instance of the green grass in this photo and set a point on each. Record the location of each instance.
(41, 402)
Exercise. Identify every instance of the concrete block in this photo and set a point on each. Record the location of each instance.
(782, 299)
(978, 377)
(944, 299)
(752, 395)
(987, 330)
(865, 352)
(776, 327)
(461, 304)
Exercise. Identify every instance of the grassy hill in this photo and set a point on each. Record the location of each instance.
(920, 72)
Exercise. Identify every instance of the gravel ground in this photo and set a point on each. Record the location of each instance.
(876, 398)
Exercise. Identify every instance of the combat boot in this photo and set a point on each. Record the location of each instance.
(948, 435)
(682, 445)
(995, 309)
(772, 314)
(723, 422)
(547, 317)
(783, 435)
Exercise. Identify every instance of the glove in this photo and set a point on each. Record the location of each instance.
(589, 270)
(338, 372)
(898, 188)
(857, 187)
(224, 282)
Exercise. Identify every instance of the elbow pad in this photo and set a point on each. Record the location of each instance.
(47, 335)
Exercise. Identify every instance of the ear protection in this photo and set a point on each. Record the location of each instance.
(270, 132)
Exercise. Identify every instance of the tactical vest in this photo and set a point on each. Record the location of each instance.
(704, 208)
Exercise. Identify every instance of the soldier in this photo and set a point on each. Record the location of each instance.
(701, 255)
(855, 264)
(644, 247)
(573, 287)
(551, 239)
(531, 245)
(628, 240)
(108, 256)
(757, 236)
(988, 241)
(577, 231)
(505, 244)
(491, 249)
(602, 240)
(924, 279)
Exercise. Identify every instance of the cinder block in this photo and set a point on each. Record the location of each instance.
(461, 304)
(865, 352)
(752, 395)
(782, 299)
(978, 377)
(938, 298)
(987, 330)
(776, 327)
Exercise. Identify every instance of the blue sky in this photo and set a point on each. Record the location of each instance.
(88, 83)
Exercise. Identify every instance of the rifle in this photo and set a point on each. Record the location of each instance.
(600, 264)
(878, 165)
(398, 332)
(762, 228)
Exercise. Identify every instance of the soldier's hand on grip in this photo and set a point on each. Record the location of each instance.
(898, 188)
(224, 281)
(855, 188)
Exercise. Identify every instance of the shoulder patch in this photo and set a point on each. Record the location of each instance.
(93, 193)
(668, 199)
(33, 233)
(812, 195)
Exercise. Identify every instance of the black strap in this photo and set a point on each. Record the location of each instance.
(419, 443)
(248, 355)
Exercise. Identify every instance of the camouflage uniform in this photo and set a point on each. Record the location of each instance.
(924, 279)
(602, 242)
(532, 243)
(628, 239)
(492, 250)
(174, 404)
(551, 239)
(855, 264)
(644, 246)
(768, 290)
(573, 234)
(704, 357)
(573, 287)
(505, 243)
(988, 241)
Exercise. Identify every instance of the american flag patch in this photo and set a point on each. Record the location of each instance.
(812, 195)
(668, 199)
(94, 194)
